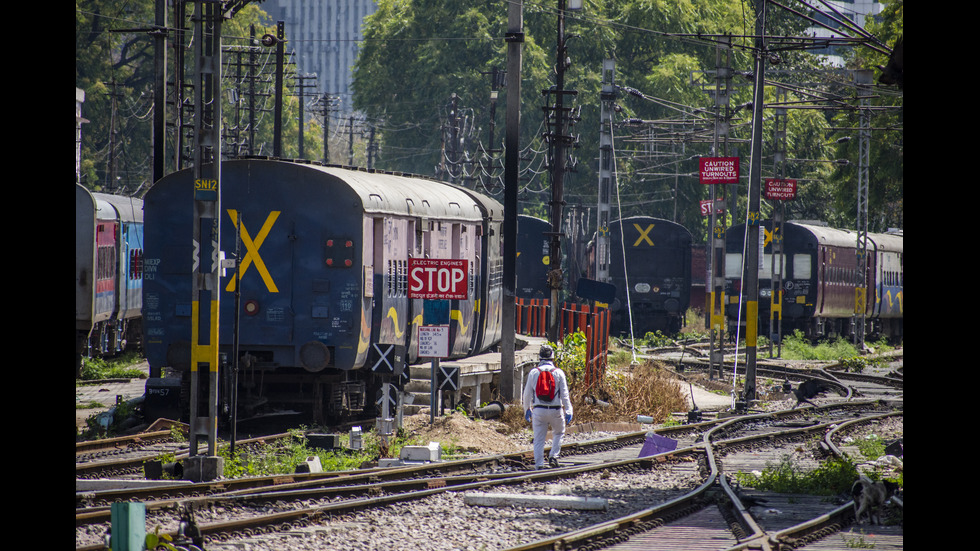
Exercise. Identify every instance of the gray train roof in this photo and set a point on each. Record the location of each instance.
(393, 194)
(830, 236)
(127, 209)
(848, 238)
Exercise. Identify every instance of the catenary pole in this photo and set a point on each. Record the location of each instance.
(512, 153)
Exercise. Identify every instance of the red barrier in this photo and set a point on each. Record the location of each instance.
(532, 316)
(594, 323)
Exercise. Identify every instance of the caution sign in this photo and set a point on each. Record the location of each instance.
(780, 190)
(719, 170)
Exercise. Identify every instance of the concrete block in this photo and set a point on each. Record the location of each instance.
(201, 468)
(323, 441)
(432, 452)
(537, 501)
(311, 465)
(389, 462)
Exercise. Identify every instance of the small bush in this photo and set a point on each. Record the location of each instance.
(94, 369)
(831, 478)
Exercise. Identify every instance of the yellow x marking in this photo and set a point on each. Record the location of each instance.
(644, 235)
(252, 248)
(769, 236)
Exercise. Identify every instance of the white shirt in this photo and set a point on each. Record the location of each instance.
(530, 398)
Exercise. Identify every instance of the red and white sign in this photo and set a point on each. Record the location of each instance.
(706, 207)
(437, 278)
(719, 170)
(780, 190)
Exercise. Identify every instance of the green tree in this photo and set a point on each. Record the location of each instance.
(886, 166)
(114, 48)
(115, 69)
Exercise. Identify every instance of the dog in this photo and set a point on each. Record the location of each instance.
(870, 497)
(811, 388)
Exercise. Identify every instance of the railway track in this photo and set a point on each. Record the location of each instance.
(126, 455)
(685, 492)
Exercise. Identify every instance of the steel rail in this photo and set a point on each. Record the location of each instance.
(644, 520)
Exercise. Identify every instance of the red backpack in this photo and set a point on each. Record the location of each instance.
(545, 389)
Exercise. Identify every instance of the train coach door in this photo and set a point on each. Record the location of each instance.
(464, 246)
(390, 319)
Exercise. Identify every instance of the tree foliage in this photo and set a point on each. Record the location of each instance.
(420, 58)
(114, 66)
(413, 62)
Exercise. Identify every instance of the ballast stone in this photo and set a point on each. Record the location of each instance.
(537, 501)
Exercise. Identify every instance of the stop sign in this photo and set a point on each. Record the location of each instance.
(437, 278)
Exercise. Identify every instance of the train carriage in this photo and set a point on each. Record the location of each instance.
(533, 257)
(108, 271)
(656, 255)
(886, 295)
(819, 267)
(324, 273)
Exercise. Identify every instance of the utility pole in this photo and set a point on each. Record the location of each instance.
(779, 216)
(606, 175)
(180, 16)
(750, 276)
(251, 91)
(371, 147)
(509, 378)
(160, 91)
(715, 281)
(327, 104)
(301, 85)
(496, 77)
(350, 140)
(206, 243)
(280, 55)
(558, 142)
(451, 155)
(863, 79)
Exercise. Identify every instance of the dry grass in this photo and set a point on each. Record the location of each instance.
(646, 389)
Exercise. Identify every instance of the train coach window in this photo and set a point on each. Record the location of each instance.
(135, 263)
(733, 265)
(766, 271)
(802, 266)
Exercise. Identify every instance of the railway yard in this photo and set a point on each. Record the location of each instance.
(686, 485)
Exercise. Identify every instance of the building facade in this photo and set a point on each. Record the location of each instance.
(325, 36)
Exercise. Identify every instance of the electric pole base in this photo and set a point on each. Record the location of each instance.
(204, 468)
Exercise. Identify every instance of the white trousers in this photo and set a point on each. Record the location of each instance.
(541, 420)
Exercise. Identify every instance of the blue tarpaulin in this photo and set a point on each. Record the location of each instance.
(655, 444)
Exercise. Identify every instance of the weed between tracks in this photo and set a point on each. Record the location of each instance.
(831, 478)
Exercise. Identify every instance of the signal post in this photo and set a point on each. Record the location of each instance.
(206, 272)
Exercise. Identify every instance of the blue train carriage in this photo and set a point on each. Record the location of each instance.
(658, 261)
(324, 274)
(108, 272)
(533, 257)
(886, 292)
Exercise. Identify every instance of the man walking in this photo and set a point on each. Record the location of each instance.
(545, 396)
